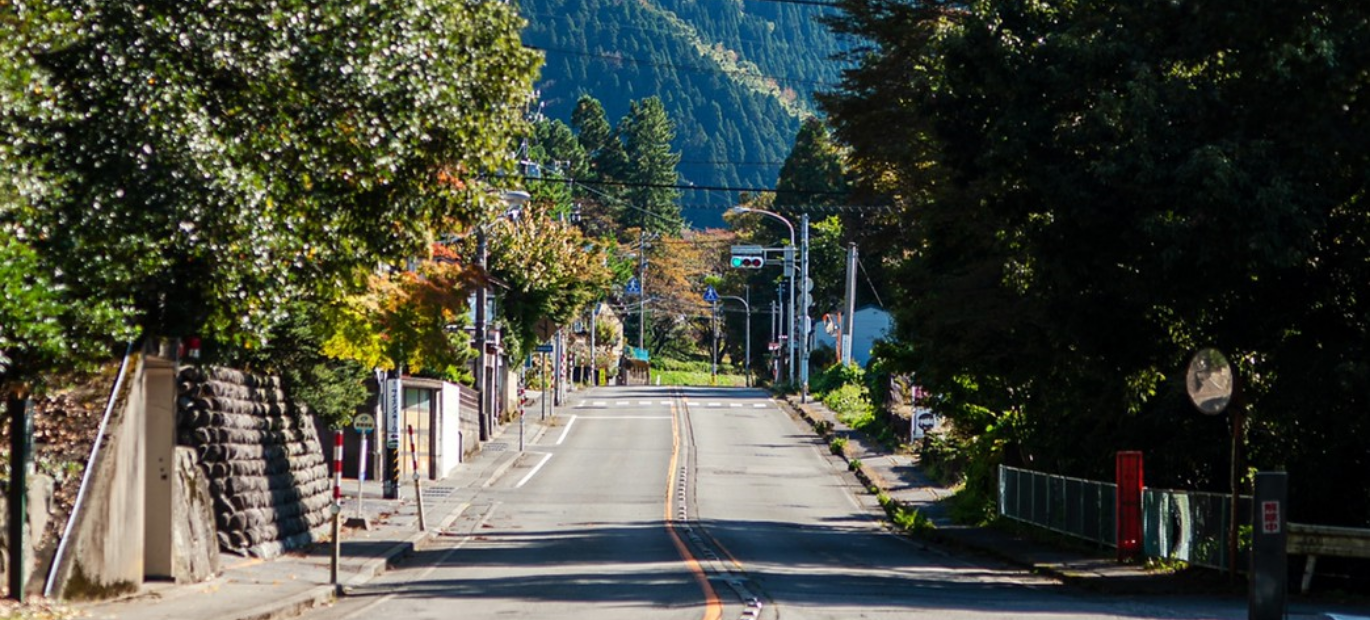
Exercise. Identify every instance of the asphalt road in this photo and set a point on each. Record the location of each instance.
(700, 504)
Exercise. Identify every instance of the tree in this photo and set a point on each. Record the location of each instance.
(550, 270)
(1096, 189)
(813, 173)
(216, 163)
(651, 174)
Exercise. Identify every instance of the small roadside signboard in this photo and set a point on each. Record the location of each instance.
(543, 348)
(364, 423)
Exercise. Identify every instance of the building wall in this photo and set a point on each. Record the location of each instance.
(871, 324)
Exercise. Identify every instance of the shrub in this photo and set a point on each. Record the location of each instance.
(838, 445)
(850, 404)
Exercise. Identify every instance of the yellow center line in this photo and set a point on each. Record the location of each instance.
(713, 608)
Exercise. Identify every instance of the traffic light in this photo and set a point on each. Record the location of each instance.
(748, 257)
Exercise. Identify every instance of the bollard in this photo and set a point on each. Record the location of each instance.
(418, 493)
(337, 506)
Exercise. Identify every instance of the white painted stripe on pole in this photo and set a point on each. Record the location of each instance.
(566, 431)
(337, 465)
(545, 458)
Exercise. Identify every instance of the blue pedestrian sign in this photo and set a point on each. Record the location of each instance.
(633, 287)
(543, 348)
(710, 294)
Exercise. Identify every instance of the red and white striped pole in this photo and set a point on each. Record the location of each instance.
(414, 461)
(337, 470)
(337, 505)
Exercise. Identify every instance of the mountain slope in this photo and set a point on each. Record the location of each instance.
(736, 77)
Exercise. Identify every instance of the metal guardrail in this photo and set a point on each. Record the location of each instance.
(1191, 526)
(1072, 506)
(1316, 540)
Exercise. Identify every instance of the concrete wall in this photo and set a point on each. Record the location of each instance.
(97, 564)
(450, 452)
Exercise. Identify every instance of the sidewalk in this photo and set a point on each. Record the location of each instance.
(252, 589)
(901, 478)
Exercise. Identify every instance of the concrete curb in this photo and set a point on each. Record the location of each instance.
(290, 606)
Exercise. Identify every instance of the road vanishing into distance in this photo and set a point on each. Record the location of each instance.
(656, 503)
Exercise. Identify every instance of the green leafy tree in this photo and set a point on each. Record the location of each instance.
(215, 163)
(651, 175)
(813, 173)
(1093, 192)
(548, 268)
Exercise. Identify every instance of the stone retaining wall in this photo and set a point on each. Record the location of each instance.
(268, 476)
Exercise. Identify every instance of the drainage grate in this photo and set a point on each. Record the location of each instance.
(438, 491)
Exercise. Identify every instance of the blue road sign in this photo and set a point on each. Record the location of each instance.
(633, 287)
(710, 294)
(543, 348)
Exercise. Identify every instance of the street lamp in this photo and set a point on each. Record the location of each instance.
(789, 274)
(747, 339)
(514, 201)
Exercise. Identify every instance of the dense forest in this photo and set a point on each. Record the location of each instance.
(736, 78)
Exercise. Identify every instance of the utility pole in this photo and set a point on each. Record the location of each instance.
(747, 345)
(594, 370)
(713, 348)
(849, 318)
(791, 269)
(642, 284)
(483, 409)
(807, 295)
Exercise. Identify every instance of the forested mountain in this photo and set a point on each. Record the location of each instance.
(735, 76)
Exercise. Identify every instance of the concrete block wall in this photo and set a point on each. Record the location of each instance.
(267, 474)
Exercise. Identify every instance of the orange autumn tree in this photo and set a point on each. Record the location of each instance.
(416, 318)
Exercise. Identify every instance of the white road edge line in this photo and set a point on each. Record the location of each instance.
(426, 572)
(566, 431)
(545, 458)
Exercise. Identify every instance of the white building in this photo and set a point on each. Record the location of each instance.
(871, 324)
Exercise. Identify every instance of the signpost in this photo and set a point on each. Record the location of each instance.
(1269, 558)
(394, 403)
(364, 424)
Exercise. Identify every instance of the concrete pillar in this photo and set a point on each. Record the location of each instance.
(159, 390)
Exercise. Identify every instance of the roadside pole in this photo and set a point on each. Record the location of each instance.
(337, 506)
(418, 493)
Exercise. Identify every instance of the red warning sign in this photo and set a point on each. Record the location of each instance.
(1270, 517)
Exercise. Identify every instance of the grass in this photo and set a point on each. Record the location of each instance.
(697, 378)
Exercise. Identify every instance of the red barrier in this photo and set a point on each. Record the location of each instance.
(1129, 506)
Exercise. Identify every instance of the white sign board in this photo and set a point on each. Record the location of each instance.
(394, 402)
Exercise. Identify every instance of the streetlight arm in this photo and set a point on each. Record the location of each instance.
(783, 219)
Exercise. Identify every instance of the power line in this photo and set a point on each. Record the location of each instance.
(802, 2)
(584, 184)
(686, 68)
